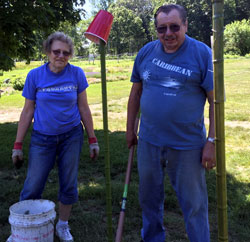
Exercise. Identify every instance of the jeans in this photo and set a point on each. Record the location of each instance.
(187, 177)
(44, 151)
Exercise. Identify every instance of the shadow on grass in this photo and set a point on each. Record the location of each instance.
(88, 221)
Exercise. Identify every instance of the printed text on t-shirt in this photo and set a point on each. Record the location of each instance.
(170, 67)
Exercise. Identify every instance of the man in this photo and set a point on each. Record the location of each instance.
(172, 78)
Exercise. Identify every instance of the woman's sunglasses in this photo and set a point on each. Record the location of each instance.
(58, 52)
(173, 28)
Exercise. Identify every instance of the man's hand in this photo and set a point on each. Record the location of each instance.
(17, 155)
(208, 156)
(131, 138)
(93, 148)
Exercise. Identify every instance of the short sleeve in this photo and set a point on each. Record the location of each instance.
(207, 76)
(81, 80)
(29, 90)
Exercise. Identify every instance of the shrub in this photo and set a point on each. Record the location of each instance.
(18, 83)
(237, 38)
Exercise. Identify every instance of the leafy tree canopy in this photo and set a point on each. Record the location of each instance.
(237, 38)
(100, 4)
(21, 22)
(126, 29)
(143, 9)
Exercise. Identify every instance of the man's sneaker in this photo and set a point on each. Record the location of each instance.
(62, 232)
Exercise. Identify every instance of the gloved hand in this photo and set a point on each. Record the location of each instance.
(93, 148)
(17, 155)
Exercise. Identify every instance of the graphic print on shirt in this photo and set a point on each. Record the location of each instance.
(170, 67)
(170, 78)
(146, 75)
(69, 88)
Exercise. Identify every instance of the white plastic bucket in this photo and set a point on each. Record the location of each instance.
(32, 220)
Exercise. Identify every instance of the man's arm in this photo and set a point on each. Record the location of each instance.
(132, 111)
(208, 154)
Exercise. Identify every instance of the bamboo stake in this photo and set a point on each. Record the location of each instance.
(106, 142)
(218, 63)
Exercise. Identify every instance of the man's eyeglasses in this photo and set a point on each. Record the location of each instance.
(58, 52)
(173, 28)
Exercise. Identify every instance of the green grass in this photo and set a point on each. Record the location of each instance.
(237, 74)
(88, 220)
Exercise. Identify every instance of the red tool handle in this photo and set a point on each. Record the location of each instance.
(119, 231)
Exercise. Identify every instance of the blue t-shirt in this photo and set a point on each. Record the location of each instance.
(174, 93)
(55, 96)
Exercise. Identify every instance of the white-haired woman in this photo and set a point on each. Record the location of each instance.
(55, 96)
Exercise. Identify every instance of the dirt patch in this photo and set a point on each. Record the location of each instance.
(6, 90)
(92, 73)
(10, 115)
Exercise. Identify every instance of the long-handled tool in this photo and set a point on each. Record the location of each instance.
(119, 231)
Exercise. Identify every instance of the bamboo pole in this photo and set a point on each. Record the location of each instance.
(106, 142)
(218, 64)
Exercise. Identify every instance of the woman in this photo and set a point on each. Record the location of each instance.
(55, 96)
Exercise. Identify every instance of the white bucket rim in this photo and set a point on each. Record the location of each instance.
(18, 218)
(12, 207)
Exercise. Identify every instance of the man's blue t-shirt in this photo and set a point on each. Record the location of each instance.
(55, 96)
(174, 93)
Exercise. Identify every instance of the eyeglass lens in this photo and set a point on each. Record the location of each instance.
(58, 52)
(173, 28)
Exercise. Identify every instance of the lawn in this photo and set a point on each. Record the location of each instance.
(88, 220)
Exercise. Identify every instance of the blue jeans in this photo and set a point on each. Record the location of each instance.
(44, 151)
(187, 177)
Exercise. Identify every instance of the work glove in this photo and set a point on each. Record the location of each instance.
(93, 148)
(17, 155)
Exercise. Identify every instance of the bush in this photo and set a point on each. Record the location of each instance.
(237, 38)
(18, 83)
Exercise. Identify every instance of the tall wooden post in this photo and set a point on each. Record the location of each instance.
(218, 64)
(106, 142)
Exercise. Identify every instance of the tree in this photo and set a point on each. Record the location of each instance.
(87, 46)
(236, 10)
(126, 30)
(83, 47)
(76, 35)
(100, 4)
(144, 10)
(22, 22)
(199, 19)
(237, 38)
(242, 9)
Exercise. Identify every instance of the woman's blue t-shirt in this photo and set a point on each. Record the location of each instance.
(174, 93)
(55, 96)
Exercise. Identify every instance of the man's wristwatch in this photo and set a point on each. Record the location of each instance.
(210, 139)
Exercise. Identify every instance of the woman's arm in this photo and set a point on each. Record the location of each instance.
(85, 113)
(87, 120)
(25, 119)
(23, 125)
